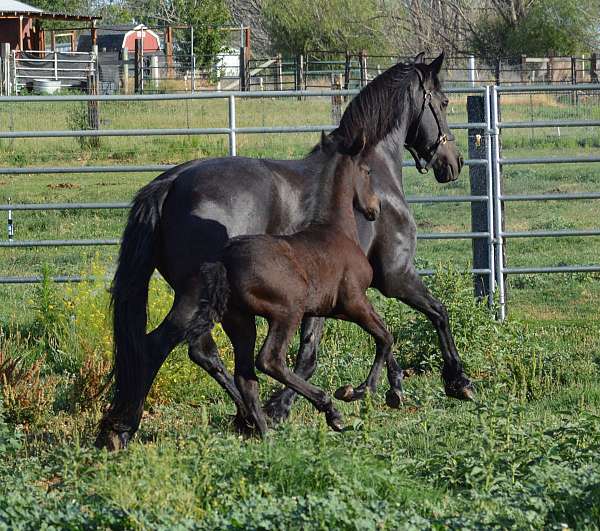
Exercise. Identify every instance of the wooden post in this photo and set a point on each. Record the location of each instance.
(53, 37)
(364, 76)
(478, 180)
(21, 33)
(125, 70)
(5, 68)
(549, 65)
(243, 85)
(300, 73)
(139, 71)
(93, 114)
(336, 101)
(523, 68)
(279, 72)
(169, 50)
(498, 71)
(94, 34)
(594, 68)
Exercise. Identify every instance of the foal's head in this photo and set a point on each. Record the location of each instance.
(350, 164)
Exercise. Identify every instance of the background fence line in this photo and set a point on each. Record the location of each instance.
(488, 225)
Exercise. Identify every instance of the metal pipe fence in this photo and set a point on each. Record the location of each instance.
(492, 160)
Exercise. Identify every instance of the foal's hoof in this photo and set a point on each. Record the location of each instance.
(335, 420)
(394, 398)
(345, 393)
(463, 390)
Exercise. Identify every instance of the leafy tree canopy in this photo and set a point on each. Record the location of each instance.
(296, 26)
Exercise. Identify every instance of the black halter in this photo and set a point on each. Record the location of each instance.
(441, 139)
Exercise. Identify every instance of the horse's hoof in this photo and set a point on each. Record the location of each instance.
(394, 398)
(113, 441)
(277, 410)
(242, 425)
(345, 393)
(461, 391)
(335, 420)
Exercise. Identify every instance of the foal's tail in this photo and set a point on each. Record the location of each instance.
(214, 297)
(129, 292)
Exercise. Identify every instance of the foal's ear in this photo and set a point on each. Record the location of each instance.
(436, 64)
(358, 144)
(326, 142)
(419, 58)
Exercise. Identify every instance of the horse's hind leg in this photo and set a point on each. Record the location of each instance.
(203, 351)
(363, 314)
(272, 361)
(241, 329)
(279, 405)
(123, 417)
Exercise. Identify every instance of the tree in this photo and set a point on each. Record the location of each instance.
(537, 27)
(296, 26)
(205, 16)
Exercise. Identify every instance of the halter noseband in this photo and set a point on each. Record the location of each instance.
(441, 139)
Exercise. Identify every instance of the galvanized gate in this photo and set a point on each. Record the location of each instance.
(486, 183)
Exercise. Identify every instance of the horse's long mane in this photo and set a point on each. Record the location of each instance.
(378, 107)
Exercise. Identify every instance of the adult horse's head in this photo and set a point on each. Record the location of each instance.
(428, 136)
(405, 106)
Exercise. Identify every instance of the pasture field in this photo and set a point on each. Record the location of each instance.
(525, 454)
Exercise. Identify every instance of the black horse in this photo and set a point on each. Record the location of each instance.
(185, 216)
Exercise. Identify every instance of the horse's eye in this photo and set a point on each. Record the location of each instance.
(445, 103)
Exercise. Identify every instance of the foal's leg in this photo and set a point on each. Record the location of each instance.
(203, 351)
(241, 329)
(279, 405)
(363, 314)
(272, 361)
(409, 288)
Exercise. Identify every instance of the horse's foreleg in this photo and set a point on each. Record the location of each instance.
(409, 288)
(369, 320)
(279, 405)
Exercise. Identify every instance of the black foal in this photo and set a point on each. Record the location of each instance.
(318, 271)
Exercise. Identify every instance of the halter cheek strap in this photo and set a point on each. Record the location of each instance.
(442, 138)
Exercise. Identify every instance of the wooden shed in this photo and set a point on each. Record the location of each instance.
(21, 25)
(115, 38)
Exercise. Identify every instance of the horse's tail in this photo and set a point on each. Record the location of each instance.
(129, 293)
(214, 297)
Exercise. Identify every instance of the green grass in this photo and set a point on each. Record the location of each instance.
(524, 455)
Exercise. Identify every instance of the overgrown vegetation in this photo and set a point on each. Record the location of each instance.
(525, 455)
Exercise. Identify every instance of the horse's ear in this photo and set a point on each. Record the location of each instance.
(419, 58)
(358, 144)
(436, 64)
(326, 142)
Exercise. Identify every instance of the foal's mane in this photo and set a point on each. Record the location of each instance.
(377, 108)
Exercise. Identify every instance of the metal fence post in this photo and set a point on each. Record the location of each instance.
(232, 139)
(490, 195)
(479, 213)
(497, 191)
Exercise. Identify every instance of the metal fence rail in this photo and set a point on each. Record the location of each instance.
(492, 160)
(497, 161)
